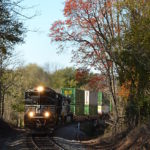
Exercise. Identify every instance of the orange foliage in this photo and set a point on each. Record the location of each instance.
(124, 90)
(109, 4)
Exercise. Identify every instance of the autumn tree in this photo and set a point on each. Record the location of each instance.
(112, 37)
(82, 76)
(92, 27)
(90, 81)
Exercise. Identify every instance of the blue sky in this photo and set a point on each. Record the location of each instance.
(37, 47)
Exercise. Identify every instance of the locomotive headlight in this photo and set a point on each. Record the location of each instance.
(40, 88)
(47, 114)
(31, 114)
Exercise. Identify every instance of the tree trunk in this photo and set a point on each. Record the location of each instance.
(112, 87)
(0, 101)
(2, 95)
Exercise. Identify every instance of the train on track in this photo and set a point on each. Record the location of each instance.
(45, 108)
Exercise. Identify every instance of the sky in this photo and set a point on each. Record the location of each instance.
(37, 47)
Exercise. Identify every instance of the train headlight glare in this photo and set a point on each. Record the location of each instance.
(40, 88)
(31, 114)
(46, 114)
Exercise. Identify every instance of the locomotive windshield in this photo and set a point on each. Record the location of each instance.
(36, 98)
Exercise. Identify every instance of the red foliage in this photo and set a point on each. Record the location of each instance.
(81, 74)
(69, 6)
(97, 82)
(68, 22)
(57, 30)
(86, 25)
(74, 5)
(56, 24)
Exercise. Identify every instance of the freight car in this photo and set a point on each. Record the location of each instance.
(44, 108)
(86, 103)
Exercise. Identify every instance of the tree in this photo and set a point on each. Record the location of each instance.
(112, 37)
(34, 75)
(82, 77)
(92, 27)
(11, 31)
(63, 78)
(90, 81)
(135, 60)
(16, 82)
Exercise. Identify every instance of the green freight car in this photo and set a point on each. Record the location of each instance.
(100, 98)
(77, 99)
(76, 95)
(87, 102)
(90, 110)
(104, 103)
(90, 103)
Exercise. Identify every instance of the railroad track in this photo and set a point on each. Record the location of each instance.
(44, 142)
(70, 144)
(31, 141)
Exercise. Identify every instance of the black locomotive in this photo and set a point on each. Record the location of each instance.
(45, 108)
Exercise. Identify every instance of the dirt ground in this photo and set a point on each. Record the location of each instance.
(86, 131)
(6, 132)
(137, 139)
(70, 132)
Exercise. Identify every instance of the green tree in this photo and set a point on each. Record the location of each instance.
(16, 83)
(11, 33)
(63, 78)
(135, 60)
(34, 75)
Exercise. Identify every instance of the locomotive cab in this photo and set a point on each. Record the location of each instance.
(40, 107)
